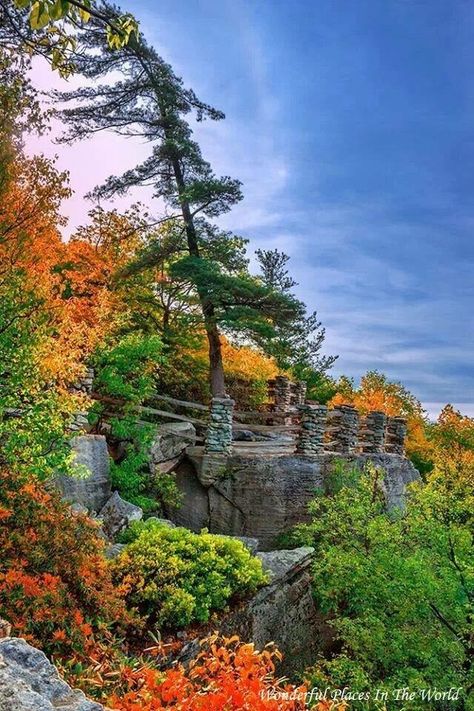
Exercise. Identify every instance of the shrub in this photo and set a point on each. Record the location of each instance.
(226, 675)
(131, 477)
(125, 372)
(55, 584)
(175, 577)
(398, 590)
(136, 528)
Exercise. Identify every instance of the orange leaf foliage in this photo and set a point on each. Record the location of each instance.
(55, 585)
(226, 676)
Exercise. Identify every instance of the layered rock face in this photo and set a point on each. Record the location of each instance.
(170, 441)
(283, 611)
(264, 495)
(29, 682)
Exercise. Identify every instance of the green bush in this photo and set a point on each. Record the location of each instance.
(126, 370)
(397, 588)
(136, 528)
(175, 577)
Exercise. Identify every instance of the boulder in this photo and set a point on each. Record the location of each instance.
(162, 521)
(117, 514)
(171, 439)
(91, 487)
(166, 467)
(29, 682)
(244, 436)
(279, 564)
(287, 598)
(283, 612)
(251, 543)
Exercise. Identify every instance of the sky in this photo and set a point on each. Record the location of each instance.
(351, 125)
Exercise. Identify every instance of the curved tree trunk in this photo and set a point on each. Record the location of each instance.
(216, 366)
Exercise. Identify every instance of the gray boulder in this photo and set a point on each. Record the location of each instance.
(279, 564)
(117, 514)
(251, 543)
(29, 682)
(244, 436)
(171, 439)
(282, 611)
(167, 467)
(91, 488)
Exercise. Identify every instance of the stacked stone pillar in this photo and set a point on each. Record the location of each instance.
(83, 386)
(282, 392)
(372, 432)
(342, 435)
(299, 389)
(310, 440)
(219, 431)
(395, 435)
(84, 383)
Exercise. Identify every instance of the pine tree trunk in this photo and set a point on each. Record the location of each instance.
(216, 371)
(216, 366)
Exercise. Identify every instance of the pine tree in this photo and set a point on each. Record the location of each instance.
(297, 342)
(150, 102)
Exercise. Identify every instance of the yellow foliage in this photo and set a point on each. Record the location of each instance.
(247, 363)
(378, 393)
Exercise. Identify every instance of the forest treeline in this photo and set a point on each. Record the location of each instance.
(164, 299)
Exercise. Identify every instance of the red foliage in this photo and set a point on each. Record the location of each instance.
(55, 585)
(226, 676)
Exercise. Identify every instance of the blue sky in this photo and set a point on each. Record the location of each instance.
(351, 125)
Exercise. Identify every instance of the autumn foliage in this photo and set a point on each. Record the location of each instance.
(226, 676)
(55, 584)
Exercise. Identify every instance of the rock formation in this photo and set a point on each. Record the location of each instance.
(91, 488)
(29, 682)
(263, 495)
(170, 441)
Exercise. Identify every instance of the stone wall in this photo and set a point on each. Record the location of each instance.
(219, 430)
(262, 495)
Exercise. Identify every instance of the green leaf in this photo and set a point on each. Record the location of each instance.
(58, 10)
(39, 16)
(84, 13)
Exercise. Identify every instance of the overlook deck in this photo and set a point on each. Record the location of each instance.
(288, 424)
